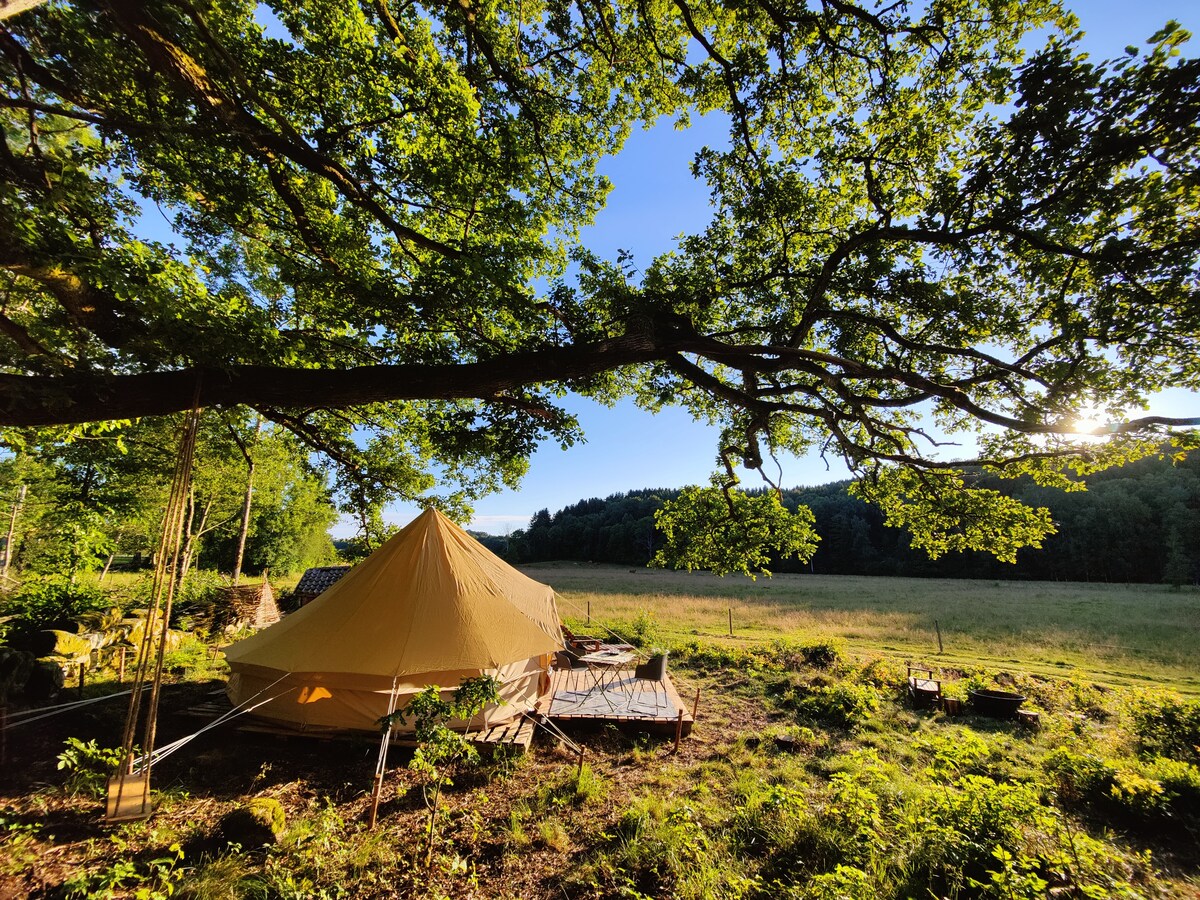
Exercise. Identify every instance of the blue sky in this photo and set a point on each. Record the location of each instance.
(654, 199)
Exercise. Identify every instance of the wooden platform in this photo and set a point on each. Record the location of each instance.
(662, 713)
(517, 733)
(662, 701)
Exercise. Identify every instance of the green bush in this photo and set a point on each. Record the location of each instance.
(1129, 791)
(822, 654)
(840, 705)
(954, 834)
(954, 753)
(660, 850)
(712, 658)
(843, 883)
(1180, 783)
(643, 631)
(46, 602)
(88, 766)
(1166, 724)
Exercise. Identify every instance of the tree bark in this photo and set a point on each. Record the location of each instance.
(12, 531)
(107, 564)
(34, 400)
(244, 529)
(193, 536)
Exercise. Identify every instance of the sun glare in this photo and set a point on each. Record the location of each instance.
(1090, 420)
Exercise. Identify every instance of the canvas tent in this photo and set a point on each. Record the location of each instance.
(431, 606)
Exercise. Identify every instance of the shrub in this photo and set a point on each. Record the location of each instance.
(841, 705)
(1129, 791)
(1180, 783)
(46, 602)
(88, 766)
(1167, 725)
(711, 658)
(154, 880)
(953, 754)
(880, 673)
(824, 653)
(955, 833)
(665, 851)
(259, 822)
(843, 883)
(643, 631)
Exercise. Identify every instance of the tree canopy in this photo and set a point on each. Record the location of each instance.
(930, 219)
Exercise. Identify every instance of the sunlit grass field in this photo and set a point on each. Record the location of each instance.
(1119, 635)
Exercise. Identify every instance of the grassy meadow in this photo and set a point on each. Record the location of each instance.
(1116, 635)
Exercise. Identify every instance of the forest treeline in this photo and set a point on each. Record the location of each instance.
(1138, 523)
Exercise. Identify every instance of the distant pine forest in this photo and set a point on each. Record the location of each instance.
(1138, 523)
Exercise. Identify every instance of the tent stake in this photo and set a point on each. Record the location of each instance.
(579, 771)
(696, 703)
(376, 791)
(678, 730)
(380, 771)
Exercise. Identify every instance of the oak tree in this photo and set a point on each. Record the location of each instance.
(930, 220)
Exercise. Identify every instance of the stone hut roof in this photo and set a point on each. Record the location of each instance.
(316, 581)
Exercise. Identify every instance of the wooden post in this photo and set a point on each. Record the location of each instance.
(731, 621)
(938, 629)
(121, 666)
(678, 730)
(376, 791)
(696, 703)
(579, 771)
(589, 621)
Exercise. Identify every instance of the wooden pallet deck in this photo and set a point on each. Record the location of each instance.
(581, 681)
(518, 733)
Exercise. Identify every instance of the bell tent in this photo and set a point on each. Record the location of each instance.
(431, 606)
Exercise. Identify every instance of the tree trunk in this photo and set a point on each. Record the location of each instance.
(107, 563)
(193, 536)
(12, 530)
(244, 530)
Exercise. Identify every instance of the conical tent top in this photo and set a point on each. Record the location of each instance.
(431, 599)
